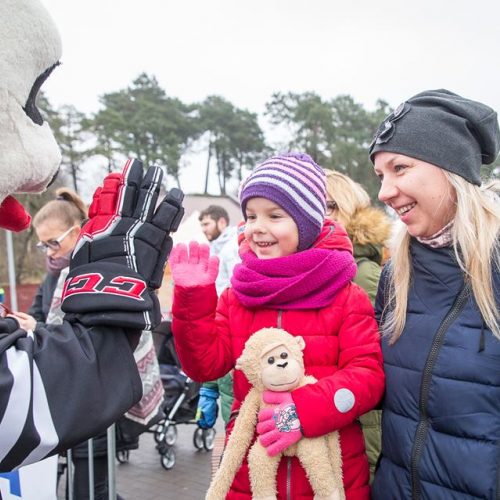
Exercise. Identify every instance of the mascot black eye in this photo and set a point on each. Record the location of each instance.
(284, 355)
(270, 360)
(30, 107)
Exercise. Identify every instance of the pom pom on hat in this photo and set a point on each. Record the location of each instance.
(295, 183)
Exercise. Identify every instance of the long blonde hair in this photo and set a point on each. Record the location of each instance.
(476, 244)
(68, 208)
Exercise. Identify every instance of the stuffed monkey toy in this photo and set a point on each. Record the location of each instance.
(272, 360)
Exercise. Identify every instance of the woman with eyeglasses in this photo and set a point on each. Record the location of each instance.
(369, 229)
(57, 226)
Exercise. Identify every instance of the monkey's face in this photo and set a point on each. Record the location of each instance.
(280, 371)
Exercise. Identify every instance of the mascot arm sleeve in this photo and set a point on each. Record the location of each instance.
(60, 386)
(201, 332)
(358, 384)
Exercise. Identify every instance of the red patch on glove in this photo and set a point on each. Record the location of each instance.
(13, 216)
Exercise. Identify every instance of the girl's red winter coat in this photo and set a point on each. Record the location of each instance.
(342, 352)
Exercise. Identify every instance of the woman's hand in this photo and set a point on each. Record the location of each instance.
(26, 322)
(194, 268)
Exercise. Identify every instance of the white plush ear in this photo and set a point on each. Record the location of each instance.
(300, 342)
(240, 362)
(29, 45)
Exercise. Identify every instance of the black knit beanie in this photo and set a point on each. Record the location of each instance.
(442, 128)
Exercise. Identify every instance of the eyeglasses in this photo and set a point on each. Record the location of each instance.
(331, 206)
(4, 310)
(53, 244)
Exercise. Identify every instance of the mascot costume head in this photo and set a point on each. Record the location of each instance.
(30, 48)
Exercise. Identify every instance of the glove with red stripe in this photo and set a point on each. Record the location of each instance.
(121, 254)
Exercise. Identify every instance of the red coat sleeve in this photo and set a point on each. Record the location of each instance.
(201, 332)
(358, 384)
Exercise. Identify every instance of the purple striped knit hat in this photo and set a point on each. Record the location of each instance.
(297, 184)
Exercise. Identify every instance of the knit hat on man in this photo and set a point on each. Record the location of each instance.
(295, 183)
(442, 128)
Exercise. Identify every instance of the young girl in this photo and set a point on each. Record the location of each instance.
(295, 274)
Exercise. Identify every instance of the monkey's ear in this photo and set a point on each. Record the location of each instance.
(300, 342)
(240, 362)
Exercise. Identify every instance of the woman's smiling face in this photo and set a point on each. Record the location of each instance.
(418, 191)
(269, 230)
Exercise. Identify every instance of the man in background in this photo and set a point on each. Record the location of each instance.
(223, 242)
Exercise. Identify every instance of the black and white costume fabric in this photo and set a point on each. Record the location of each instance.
(60, 386)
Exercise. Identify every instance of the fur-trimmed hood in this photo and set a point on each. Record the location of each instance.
(369, 226)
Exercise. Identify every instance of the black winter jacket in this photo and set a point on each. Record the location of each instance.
(441, 419)
(43, 297)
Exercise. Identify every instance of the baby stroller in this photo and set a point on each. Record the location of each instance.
(180, 402)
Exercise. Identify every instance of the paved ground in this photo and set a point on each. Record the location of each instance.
(143, 477)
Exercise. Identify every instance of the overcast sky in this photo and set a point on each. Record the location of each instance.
(245, 50)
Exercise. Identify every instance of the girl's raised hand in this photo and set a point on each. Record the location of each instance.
(193, 267)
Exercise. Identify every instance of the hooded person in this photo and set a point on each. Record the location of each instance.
(369, 229)
(296, 273)
(51, 376)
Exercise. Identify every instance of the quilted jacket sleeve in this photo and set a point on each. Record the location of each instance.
(358, 384)
(59, 386)
(201, 332)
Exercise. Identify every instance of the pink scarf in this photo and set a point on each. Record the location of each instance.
(304, 280)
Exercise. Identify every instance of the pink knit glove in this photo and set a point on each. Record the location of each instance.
(279, 427)
(196, 269)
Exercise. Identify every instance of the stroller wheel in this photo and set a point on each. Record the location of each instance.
(159, 433)
(123, 456)
(168, 459)
(208, 439)
(171, 435)
(198, 438)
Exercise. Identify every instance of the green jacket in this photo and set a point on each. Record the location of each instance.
(369, 230)
(224, 386)
(368, 258)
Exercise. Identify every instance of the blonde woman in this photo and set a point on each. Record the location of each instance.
(438, 301)
(369, 229)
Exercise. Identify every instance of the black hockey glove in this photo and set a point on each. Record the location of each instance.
(121, 254)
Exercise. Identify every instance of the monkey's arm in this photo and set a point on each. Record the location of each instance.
(237, 446)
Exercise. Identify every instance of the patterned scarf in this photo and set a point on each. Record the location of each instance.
(304, 280)
(55, 266)
(441, 239)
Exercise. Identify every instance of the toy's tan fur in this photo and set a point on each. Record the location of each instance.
(320, 457)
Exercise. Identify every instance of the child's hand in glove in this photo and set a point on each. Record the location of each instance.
(195, 268)
(279, 426)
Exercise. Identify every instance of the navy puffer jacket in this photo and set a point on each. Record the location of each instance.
(441, 419)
